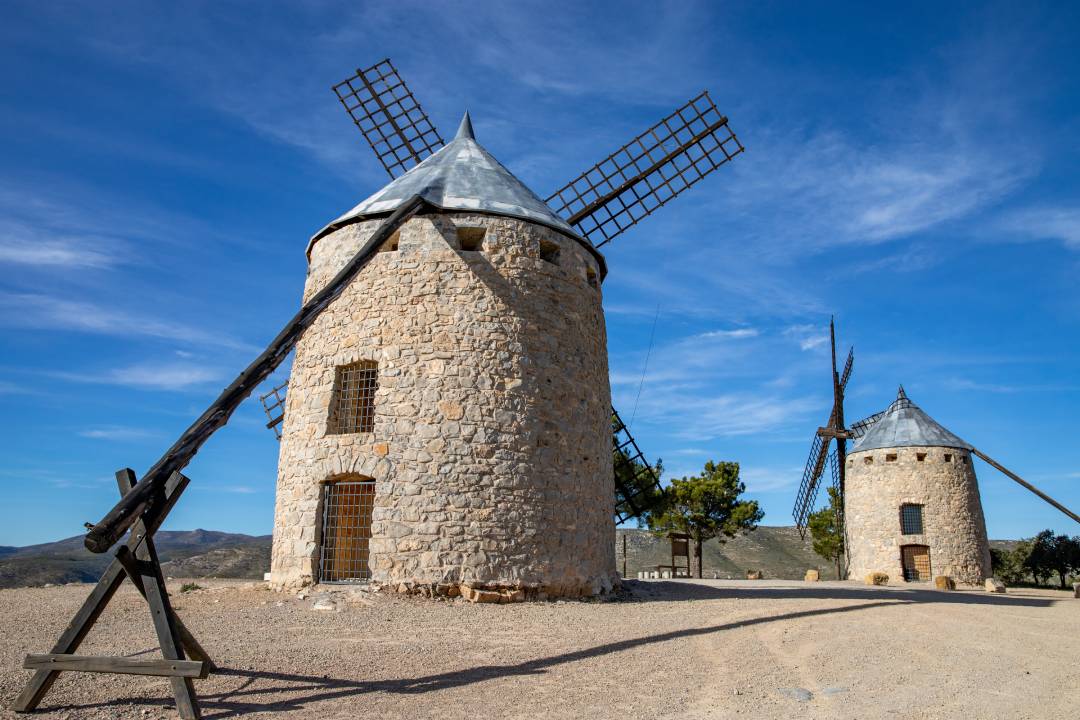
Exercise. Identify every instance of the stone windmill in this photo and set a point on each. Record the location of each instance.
(453, 425)
(911, 506)
(448, 422)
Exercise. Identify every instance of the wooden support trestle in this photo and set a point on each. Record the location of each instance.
(138, 561)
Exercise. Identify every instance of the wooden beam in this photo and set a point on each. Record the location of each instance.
(131, 507)
(1013, 476)
(838, 434)
(95, 603)
(122, 665)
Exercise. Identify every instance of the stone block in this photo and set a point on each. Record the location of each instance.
(475, 595)
(1076, 589)
(994, 585)
(944, 582)
(877, 578)
(812, 575)
(754, 575)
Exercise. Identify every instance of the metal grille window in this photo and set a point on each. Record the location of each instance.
(352, 409)
(346, 531)
(911, 519)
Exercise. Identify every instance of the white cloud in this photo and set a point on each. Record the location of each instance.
(148, 376)
(809, 337)
(115, 432)
(62, 253)
(45, 312)
(1045, 223)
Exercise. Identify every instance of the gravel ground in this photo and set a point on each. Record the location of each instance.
(685, 649)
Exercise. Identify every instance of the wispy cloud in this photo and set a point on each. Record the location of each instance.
(116, 432)
(46, 312)
(149, 376)
(808, 337)
(59, 253)
(1059, 223)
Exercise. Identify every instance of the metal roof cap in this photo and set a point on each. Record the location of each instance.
(462, 176)
(904, 424)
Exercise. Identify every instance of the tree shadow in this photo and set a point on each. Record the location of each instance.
(304, 689)
(674, 591)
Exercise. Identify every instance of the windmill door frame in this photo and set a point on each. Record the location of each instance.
(345, 534)
(915, 563)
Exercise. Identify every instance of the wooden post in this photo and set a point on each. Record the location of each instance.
(138, 560)
(624, 554)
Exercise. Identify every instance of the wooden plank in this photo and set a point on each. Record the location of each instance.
(168, 639)
(92, 607)
(72, 637)
(126, 512)
(121, 665)
(125, 481)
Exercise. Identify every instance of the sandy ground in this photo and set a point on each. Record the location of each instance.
(686, 649)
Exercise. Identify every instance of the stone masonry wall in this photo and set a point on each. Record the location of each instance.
(953, 524)
(491, 448)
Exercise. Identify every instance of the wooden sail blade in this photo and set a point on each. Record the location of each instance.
(809, 485)
(647, 172)
(392, 121)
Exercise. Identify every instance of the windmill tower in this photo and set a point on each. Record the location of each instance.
(448, 418)
(911, 506)
(911, 501)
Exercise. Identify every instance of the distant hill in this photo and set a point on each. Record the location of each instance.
(777, 551)
(186, 553)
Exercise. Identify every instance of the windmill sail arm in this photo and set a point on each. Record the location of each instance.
(648, 172)
(1016, 478)
(382, 106)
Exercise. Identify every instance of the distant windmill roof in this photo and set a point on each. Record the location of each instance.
(904, 424)
(464, 176)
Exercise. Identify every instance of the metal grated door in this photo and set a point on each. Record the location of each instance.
(915, 560)
(347, 507)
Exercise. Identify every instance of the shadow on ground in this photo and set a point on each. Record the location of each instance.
(305, 689)
(295, 691)
(674, 591)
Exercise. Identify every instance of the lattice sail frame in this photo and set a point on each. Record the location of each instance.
(626, 452)
(392, 121)
(648, 172)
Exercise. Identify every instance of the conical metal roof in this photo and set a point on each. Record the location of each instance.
(904, 424)
(464, 176)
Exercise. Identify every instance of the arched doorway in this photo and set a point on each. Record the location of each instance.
(915, 562)
(348, 501)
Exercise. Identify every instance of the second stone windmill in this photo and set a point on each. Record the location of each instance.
(448, 424)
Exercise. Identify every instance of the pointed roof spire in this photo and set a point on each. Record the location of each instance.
(465, 128)
(904, 424)
(462, 176)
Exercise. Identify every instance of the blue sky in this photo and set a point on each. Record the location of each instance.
(911, 171)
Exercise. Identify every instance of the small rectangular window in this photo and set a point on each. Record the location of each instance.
(391, 244)
(948, 457)
(868, 460)
(352, 407)
(911, 519)
(590, 277)
(890, 457)
(549, 251)
(921, 457)
(471, 239)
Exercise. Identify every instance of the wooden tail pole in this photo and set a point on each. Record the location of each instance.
(1012, 476)
(149, 490)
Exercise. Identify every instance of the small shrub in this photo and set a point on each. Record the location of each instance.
(190, 587)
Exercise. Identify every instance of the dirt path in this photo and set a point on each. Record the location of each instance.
(707, 649)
